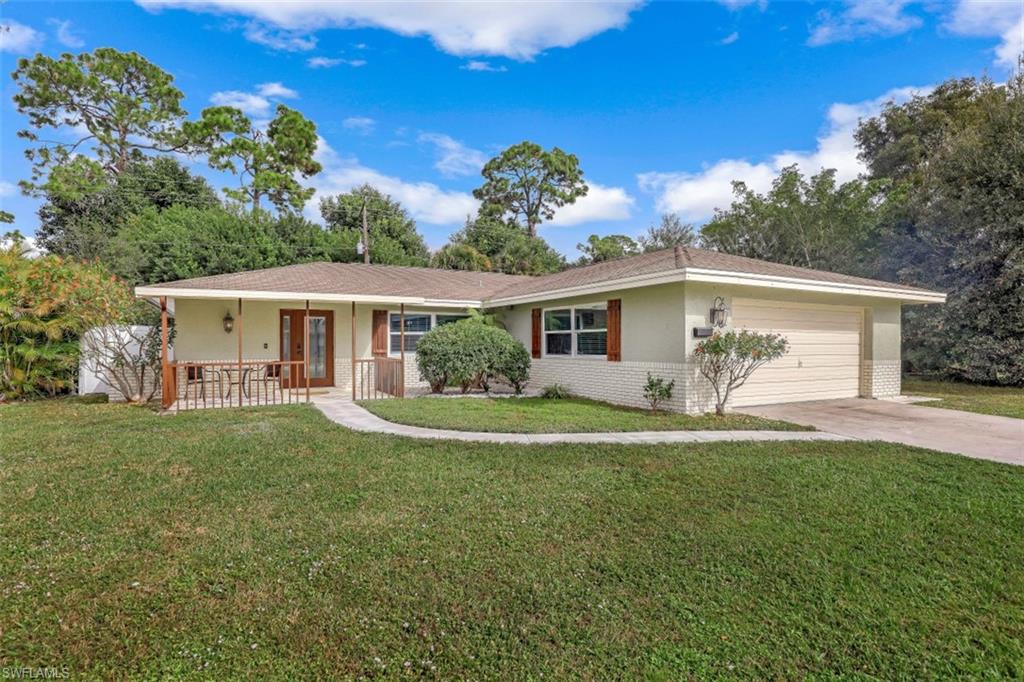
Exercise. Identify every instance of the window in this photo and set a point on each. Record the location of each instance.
(580, 330)
(416, 325)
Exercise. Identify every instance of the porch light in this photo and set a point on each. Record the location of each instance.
(229, 322)
(718, 312)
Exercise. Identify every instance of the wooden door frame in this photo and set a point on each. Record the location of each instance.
(298, 314)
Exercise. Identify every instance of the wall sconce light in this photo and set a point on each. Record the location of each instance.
(229, 322)
(718, 312)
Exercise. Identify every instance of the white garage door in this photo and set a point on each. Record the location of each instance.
(824, 352)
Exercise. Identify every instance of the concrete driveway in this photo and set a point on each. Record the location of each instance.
(1000, 439)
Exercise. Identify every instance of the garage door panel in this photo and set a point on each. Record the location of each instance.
(824, 352)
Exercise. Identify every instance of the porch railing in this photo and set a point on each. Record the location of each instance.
(193, 385)
(378, 377)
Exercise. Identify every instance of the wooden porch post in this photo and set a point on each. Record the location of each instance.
(401, 341)
(353, 350)
(239, 325)
(305, 346)
(167, 387)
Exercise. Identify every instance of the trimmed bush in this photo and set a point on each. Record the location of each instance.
(470, 354)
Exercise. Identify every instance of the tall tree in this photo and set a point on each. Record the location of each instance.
(116, 106)
(672, 231)
(394, 239)
(81, 224)
(528, 183)
(265, 161)
(960, 227)
(610, 247)
(811, 222)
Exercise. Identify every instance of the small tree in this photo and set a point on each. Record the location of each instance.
(657, 390)
(728, 359)
(125, 350)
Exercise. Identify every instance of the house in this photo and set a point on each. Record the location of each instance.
(597, 329)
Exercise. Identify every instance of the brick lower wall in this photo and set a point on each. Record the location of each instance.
(621, 383)
(880, 379)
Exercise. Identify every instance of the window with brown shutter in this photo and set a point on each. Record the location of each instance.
(535, 333)
(380, 332)
(615, 330)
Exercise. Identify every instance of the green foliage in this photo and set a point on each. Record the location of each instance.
(671, 232)
(727, 359)
(460, 257)
(657, 390)
(469, 354)
(45, 305)
(394, 239)
(555, 392)
(6, 217)
(956, 155)
(121, 103)
(508, 247)
(610, 247)
(82, 224)
(813, 223)
(526, 183)
(266, 162)
(182, 242)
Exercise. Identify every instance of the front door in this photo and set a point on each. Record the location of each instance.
(321, 347)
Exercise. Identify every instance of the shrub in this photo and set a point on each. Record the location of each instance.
(727, 360)
(555, 392)
(470, 354)
(657, 390)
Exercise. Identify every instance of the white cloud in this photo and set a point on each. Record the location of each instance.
(863, 18)
(65, 36)
(7, 189)
(18, 38)
(364, 125)
(425, 201)
(246, 102)
(453, 157)
(510, 29)
(477, 65)
(30, 248)
(600, 203)
(1003, 20)
(729, 39)
(322, 62)
(696, 195)
(276, 89)
(739, 4)
(287, 41)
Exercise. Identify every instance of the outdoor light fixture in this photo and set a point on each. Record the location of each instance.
(229, 322)
(718, 312)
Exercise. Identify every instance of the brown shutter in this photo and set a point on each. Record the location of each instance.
(536, 332)
(380, 332)
(615, 330)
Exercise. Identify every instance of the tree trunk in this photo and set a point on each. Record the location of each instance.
(719, 410)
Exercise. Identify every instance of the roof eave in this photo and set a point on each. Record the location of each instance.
(253, 295)
(726, 277)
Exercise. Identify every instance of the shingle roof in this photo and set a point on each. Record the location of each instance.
(359, 279)
(689, 257)
(455, 285)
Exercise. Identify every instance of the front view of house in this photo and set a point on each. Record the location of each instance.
(598, 329)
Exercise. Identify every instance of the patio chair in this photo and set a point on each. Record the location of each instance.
(270, 374)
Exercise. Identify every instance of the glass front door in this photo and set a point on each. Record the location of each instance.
(321, 346)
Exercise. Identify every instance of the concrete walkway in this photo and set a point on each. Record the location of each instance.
(342, 410)
(982, 436)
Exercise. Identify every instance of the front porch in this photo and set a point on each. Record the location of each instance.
(375, 366)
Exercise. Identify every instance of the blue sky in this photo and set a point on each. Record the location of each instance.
(664, 103)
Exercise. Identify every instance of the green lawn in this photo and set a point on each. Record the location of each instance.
(539, 415)
(272, 543)
(997, 400)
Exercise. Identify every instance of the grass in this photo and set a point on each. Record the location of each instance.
(997, 400)
(540, 415)
(272, 543)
